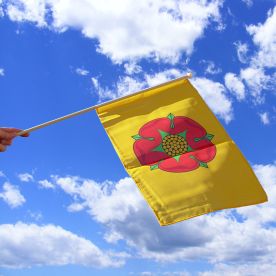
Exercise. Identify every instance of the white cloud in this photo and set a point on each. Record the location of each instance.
(127, 29)
(264, 213)
(264, 36)
(214, 95)
(252, 269)
(25, 177)
(28, 10)
(257, 81)
(2, 71)
(127, 85)
(75, 207)
(242, 51)
(46, 184)
(218, 238)
(1, 8)
(2, 174)
(12, 196)
(37, 216)
(235, 85)
(161, 77)
(249, 3)
(132, 68)
(82, 72)
(264, 118)
(211, 68)
(102, 92)
(27, 245)
(255, 76)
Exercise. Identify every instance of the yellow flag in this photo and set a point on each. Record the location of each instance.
(178, 153)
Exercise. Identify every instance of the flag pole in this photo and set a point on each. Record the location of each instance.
(85, 110)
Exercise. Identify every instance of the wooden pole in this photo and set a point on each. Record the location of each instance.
(188, 76)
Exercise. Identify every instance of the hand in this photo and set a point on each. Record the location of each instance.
(7, 135)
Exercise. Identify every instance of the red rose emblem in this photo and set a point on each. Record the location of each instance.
(174, 144)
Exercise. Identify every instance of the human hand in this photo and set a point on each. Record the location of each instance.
(7, 135)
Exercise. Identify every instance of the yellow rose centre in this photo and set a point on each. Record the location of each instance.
(174, 145)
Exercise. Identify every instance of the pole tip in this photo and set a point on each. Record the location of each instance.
(189, 75)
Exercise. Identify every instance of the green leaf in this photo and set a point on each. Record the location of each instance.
(209, 136)
(154, 167)
(171, 117)
(177, 157)
(183, 134)
(137, 137)
(203, 164)
(189, 149)
(192, 157)
(163, 133)
(159, 148)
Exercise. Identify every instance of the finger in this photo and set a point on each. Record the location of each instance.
(2, 148)
(6, 142)
(13, 131)
(6, 135)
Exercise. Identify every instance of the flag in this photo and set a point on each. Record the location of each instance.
(178, 153)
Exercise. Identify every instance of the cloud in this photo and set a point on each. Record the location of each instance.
(257, 81)
(1, 9)
(46, 184)
(12, 196)
(249, 3)
(2, 71)
(37, 216)
(27, 245)
(252, 269)
(264, 37)
(235, 237)
(235, 85)
(242, 51)
(214, 94)
(28, 10)
(211, 67)
(132, 68)
(25, 177)
(128, 29)
(2, 174)
(264, 118)
(82, 72)
(255, 75)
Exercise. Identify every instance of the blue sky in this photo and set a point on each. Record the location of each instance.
(67, 205)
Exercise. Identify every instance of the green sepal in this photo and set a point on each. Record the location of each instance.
(137, 137)
(159, 148)
(209, 136)
(189, 149)
(154, 167)
(163, 133)
(177, 157)
(203, 164)
(183, 134)
(171, 117)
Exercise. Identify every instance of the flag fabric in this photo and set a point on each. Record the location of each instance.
(177, 152)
